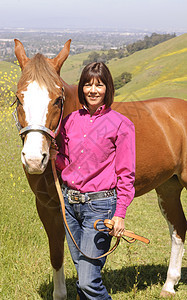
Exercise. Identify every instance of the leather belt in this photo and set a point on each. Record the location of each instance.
(76, 197)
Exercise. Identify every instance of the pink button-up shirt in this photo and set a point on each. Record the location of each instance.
(98, 153)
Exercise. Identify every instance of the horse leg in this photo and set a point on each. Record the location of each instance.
(171, 208)
(52, 220)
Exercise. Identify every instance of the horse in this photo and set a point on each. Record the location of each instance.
(161, 153)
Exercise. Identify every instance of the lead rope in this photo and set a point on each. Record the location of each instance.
(61, 198)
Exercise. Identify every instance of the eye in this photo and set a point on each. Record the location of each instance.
(58, 101)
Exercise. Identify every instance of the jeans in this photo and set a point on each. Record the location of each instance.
(80, 218)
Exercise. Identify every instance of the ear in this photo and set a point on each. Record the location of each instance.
(58, 61)
(20, 54)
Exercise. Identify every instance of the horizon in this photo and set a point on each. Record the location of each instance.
(90, 30)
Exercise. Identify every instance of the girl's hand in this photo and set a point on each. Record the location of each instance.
(119, 227)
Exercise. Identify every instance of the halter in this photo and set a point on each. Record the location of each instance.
(38, 128)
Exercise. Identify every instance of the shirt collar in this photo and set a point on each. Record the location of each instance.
(99, 111)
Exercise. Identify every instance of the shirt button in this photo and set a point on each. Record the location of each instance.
(84, 135)
(79, 167)
(82, 151)
(91, 121)
(72, 182)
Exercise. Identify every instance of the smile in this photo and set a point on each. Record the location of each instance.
(93, 97)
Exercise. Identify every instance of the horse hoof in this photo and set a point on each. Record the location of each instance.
(166, 294)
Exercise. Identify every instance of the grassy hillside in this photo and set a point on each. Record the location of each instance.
(6, 67)
(158, 71)
(72, 68)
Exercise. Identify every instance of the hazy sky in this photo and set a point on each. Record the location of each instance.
(129, 14)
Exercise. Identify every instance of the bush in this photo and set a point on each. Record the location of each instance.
(121, 80)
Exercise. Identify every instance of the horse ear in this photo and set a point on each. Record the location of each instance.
(58, 61)
(20, 53)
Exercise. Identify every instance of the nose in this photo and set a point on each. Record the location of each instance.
(34, 163)
(35, 153)
(93, 89)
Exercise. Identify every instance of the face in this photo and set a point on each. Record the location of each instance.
(94, 93)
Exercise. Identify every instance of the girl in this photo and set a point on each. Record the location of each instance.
(97, 164)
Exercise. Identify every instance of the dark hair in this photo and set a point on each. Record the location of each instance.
(100, 71)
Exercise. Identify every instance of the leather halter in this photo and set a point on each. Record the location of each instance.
(39, 128)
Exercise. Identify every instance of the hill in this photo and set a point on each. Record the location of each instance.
(156, 72)
(159, 71)
(6, 66)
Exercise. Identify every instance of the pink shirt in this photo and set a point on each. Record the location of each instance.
(98, 153)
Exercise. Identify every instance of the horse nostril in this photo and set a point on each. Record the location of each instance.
(22, 156)
(44, 158)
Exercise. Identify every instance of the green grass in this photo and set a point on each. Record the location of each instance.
(158, 71)
(72, 68)
(7, 67)
(134, 271)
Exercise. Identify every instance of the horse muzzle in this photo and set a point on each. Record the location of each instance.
(35, 153)
(35, 165)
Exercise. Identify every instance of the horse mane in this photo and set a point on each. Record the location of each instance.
(39, 70)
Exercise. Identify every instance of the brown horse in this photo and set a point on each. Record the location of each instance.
(161, 148)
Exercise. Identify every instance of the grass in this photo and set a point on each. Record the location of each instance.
(158, 71)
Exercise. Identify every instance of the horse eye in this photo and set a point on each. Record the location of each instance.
(58, 100)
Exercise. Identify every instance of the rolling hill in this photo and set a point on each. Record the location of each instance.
(156, 72)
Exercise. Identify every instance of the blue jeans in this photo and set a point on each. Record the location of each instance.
(80, 219)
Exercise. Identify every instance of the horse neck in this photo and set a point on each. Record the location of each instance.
(71, 102)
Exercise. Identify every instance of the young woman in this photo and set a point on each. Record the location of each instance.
(97, 164)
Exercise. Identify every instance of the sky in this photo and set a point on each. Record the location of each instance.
(125, 14)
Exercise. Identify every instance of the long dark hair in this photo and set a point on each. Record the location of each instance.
(100, 71)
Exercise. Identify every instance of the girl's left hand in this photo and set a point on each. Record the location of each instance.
(119, 227)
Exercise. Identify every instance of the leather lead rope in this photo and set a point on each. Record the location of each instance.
(61, 197)
(110, 224)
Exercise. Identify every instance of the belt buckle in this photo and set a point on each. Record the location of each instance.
(75, 197)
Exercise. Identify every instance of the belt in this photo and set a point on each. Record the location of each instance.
(75, 197)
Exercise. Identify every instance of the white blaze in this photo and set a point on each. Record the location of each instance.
(36, 101)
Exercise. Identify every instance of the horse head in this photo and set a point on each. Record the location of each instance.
(39, 96)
